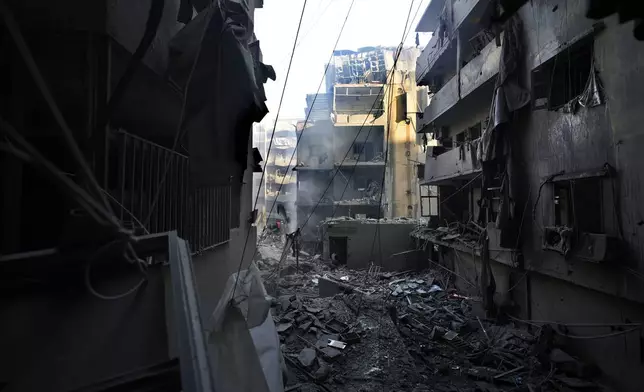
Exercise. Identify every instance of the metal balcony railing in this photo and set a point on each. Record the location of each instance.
(202, 216)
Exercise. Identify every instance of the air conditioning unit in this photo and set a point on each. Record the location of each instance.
(558, 239)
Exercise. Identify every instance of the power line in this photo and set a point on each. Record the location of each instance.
(313, 103)
(279, 107)
(393, 76)
(179, 131)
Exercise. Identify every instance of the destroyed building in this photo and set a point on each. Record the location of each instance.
(280, 179)
(126, 193)
(259, 185)
(367, 110)
(533, 188)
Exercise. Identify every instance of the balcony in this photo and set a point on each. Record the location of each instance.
(457, 163)
(283, 160)
(475, 82)
(278, 178)
(357, 104)
(441, 102)
(439, 57)
(480, 69)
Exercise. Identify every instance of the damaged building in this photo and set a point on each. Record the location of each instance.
(280, 179)
(368, 110)
(533, 187)
(126, 195)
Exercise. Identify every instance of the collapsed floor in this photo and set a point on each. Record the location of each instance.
(408, 331)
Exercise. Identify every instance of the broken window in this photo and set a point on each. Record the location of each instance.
(578, 204)
(428, 200)
(363, 151)
(564, 77)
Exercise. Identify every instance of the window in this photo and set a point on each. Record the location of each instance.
(578, 204)
(562, 78)
(428, 200)
(363, 151)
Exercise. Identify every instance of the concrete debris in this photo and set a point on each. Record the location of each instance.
(425, 337)
(467, 235)
(306, 357)
(370, 220)
(284, 327)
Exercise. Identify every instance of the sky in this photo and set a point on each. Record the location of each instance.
(371, 23)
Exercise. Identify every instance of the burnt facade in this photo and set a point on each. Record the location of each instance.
(140, 86)
(533, 110)
(340, 161)
(281, 180)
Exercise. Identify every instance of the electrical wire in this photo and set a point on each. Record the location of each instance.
(384, 169)
(537, 323)
(460, 189)
(134, 218)
(270, 145)
(31, 155)
(392, 75)
(68, 136)
(312, 104)
(88, 281)
(180, 131)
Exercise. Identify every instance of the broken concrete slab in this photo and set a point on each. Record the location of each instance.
(307, 356)
(331, 352)
(281, 328)
(322, 373)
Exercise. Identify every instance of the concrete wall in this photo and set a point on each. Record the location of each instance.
(402, 196)
(545, 142)
(371, 242)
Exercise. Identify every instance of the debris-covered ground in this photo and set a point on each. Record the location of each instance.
(345, 330)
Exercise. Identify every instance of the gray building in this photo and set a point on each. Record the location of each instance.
(159, 98)
(536, 111)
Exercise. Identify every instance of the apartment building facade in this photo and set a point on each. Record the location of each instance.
(534, 113)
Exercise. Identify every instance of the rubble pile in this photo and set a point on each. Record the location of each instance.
(468, 234)
(369, 220)
(405, 331)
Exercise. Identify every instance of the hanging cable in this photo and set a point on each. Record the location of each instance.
(270, 144)
(179, 132)
(308, 115)
(31, 155)
(88, 282)
(388, 133)
(382, 188)
(363, 124)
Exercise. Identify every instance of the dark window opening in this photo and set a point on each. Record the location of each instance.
(363, 151)
(562, 78)
(578, 204)
(475, 132)
(360, 182)
(338, 249)
(460, 138)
